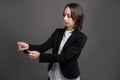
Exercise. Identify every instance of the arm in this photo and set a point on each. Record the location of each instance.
(73, 51)
(34, 50)
(45, 46)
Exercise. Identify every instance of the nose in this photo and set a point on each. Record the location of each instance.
(65, 18)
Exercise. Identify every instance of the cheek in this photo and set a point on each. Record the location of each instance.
(72, 22)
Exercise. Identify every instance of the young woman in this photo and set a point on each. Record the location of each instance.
(66, 45)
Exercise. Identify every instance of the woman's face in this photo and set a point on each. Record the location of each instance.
(68, 21)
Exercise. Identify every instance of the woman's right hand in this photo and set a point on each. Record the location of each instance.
(22, 46)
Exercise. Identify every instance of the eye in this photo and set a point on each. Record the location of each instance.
(69, 16)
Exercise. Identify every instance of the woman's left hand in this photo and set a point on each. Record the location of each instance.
(33, 54)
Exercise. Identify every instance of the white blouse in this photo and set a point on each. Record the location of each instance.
(55, 72)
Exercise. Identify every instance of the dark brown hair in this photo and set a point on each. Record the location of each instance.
(76, 14)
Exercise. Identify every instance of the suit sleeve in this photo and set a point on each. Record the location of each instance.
(72, 52)
(45, 46)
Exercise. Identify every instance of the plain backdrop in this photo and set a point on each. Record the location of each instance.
(33, 21)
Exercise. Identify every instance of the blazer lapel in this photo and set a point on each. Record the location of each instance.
(70, 40)
(61, 33)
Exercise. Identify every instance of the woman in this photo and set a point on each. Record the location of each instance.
(66, 45)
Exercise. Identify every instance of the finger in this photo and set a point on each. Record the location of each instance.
(32, 57)
(19, 46)
(19, 43)
(30, 52)
(20, 49)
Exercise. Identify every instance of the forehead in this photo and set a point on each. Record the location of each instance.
(67, 10)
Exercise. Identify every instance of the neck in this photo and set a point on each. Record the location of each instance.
(69, 28)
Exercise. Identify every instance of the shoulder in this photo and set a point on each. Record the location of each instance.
(81, 38)
(59, 30)
(80, 34)
(83, 35)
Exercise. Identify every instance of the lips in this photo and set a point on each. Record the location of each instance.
(65, 22)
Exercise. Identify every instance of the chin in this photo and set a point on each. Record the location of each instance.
(67, 26)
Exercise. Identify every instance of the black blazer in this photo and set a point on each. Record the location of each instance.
(69, 55)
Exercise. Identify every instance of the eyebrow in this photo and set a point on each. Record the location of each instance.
(67, 14)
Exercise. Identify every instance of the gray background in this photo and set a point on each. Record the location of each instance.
(33, 21)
